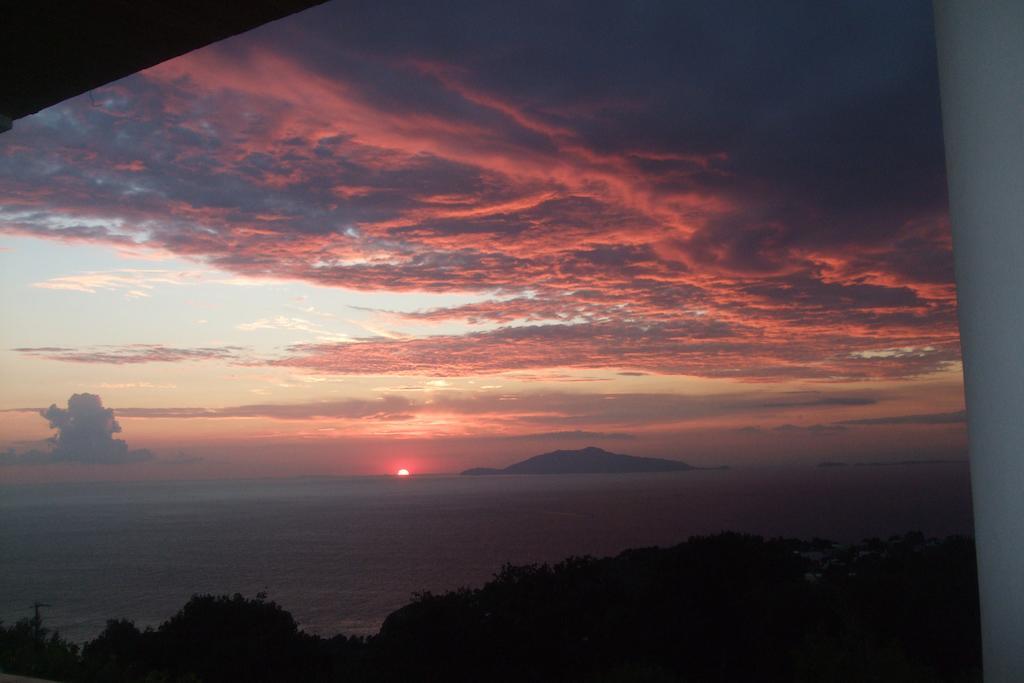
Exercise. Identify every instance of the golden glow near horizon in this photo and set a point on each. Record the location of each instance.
(289, 263)
(402, 472)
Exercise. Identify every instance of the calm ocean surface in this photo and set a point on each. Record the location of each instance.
(341, 553)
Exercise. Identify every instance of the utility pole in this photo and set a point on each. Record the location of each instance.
(37, 621)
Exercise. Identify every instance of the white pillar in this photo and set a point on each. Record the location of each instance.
(981, 73)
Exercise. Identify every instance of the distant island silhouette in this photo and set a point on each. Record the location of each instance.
(589, 460)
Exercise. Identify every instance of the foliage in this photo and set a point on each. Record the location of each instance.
(722, 608)
(29, 648)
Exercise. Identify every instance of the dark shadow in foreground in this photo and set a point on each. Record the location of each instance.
(722, 608)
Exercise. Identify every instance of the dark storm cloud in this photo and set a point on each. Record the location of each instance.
(85, 434)
(810, 429)
(572, 435)
(556, 412)
(810, 398)
(696, 347)
(131, 354)
(836, 101)
(568, 409)
(387, 408)
(775, 170)
(956, 417)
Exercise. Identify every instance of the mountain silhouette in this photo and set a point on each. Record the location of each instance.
(590, 460)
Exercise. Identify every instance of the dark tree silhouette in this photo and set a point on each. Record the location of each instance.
(729, 607)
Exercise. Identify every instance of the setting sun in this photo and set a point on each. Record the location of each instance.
(645, 291)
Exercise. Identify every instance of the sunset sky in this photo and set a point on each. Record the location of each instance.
(380, 235)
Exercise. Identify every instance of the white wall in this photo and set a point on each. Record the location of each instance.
(981, 70)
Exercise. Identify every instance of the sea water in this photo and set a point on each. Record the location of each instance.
(342, 553)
